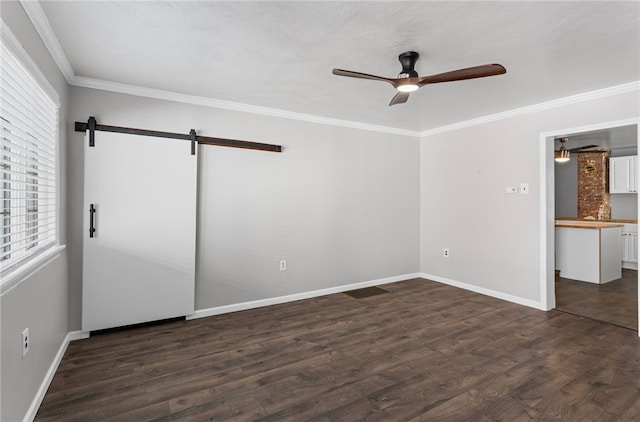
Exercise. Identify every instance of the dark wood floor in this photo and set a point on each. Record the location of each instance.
(423, 351)
(615, 302)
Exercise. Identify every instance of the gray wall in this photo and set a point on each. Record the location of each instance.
(494, 237)
(620, 141)
(340, 205)
(566, 186)
(40, 301)
(624, 206)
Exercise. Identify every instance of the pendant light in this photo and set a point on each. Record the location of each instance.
(562, 155)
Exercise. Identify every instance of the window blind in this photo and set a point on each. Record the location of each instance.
(28, 170)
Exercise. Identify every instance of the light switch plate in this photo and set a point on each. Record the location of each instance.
(524, 188)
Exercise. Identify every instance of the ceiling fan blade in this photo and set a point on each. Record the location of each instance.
(576, 149)
(462, 74)
(352, 74)
(399, 98)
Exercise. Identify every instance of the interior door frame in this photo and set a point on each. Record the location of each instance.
(547, 205)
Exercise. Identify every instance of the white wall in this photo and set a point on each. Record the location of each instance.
(40, 301)
(340, 205)
(494, 237)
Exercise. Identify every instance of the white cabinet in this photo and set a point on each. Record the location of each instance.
(622, 174)
(629, 246)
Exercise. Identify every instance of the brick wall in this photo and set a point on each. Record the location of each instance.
(593, 180)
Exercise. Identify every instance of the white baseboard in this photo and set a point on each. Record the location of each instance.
(202, 313)
(487, 292)
(37, 400)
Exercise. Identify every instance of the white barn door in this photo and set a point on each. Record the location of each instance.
(139, 262)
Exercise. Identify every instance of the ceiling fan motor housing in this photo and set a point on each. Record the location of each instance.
(408, 61)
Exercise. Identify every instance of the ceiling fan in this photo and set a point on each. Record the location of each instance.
(409, 81)
(562, 155)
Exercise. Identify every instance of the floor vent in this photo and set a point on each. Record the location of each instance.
(366, 292)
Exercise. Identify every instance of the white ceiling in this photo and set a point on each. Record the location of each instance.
(280, 54)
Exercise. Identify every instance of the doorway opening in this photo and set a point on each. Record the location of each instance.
(615, 302)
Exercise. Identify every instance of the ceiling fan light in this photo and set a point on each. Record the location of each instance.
(407, 87)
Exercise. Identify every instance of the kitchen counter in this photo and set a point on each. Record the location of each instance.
(610, 220)
(586, 224)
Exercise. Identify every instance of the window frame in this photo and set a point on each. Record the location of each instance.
(16, 272)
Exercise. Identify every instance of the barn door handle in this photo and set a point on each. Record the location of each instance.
(92, 212)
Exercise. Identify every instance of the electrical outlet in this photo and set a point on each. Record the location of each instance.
(25, 342)
(445, 252)
(283, 265)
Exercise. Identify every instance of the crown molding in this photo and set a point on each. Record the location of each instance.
(41, 23)
(85, 82)
(121, 88)
(548, 105)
